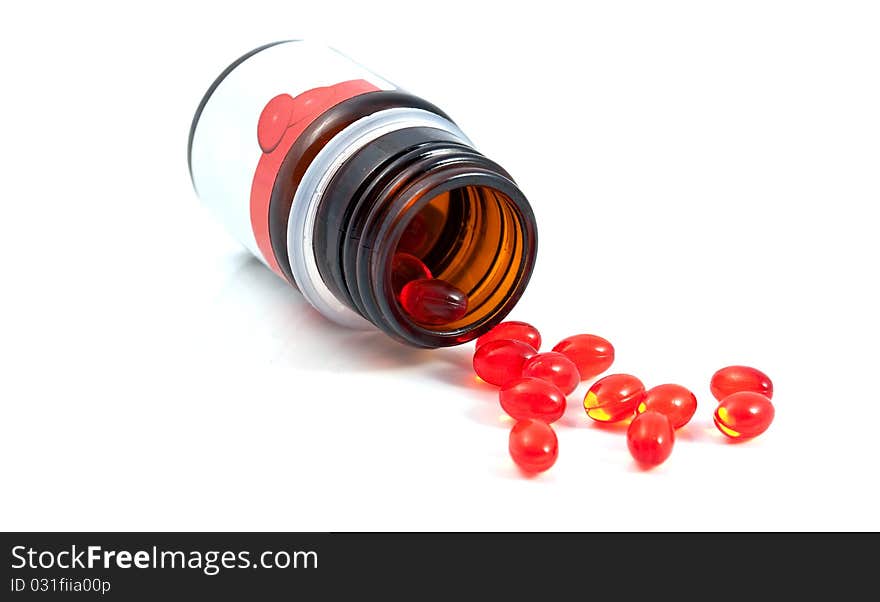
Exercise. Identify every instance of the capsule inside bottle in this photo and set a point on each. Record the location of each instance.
(472, 238)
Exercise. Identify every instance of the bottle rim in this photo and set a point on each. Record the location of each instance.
(374, 267)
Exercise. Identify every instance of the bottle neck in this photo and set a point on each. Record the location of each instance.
(302, 225)
(424, 192)
(376, 107)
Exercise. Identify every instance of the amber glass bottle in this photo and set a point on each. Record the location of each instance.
(326, 173)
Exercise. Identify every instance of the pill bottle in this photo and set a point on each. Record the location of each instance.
(328, 173)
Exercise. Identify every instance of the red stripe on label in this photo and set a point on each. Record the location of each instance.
(282, 121)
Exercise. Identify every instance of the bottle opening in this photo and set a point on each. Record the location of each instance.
(424, 237)
(475, 238)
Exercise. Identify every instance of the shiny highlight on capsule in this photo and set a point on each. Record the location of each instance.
(533, 445)
(433, 301)
(499, 362)
(515, 331)
(674, 401)
(532, 398)
(650, 438)
(744, 415)
(592, 354)
(555, 368)
(734, 379)
(614, 398)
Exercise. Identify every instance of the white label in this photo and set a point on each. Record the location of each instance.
(225, 152)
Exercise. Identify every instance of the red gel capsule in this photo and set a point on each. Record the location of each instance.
(553, 367)
(734, 379)
(673, 401)
(592, 354)
(650, 438)
(614, 398)
(526, 398)
(516, 331)
(744, 414)
(499, 362)
(404, 269)
(433, 301)
(533, 445)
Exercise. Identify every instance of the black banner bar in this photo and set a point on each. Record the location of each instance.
(244, 566)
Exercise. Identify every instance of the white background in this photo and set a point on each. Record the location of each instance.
(706, 179)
